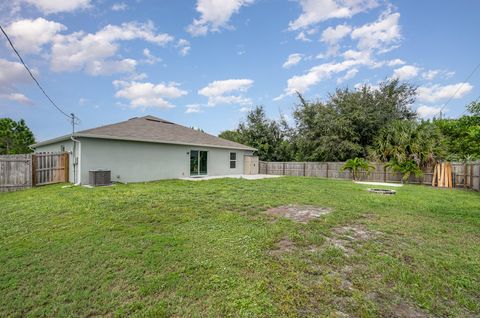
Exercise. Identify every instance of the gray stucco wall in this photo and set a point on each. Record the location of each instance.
(131, 161)
(57, 147)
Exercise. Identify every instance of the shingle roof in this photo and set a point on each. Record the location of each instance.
(153, 129)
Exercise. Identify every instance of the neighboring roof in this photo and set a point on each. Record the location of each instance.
(152, 129)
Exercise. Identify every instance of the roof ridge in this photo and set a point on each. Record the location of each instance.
(154, 118)
(107, 125)
(154, 129)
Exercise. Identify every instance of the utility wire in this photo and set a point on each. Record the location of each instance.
(34, 79)
(459, 87)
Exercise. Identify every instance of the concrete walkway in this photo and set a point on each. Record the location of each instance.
(380, 183)
(235, 176)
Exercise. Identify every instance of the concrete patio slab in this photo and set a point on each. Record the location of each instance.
(235, 176)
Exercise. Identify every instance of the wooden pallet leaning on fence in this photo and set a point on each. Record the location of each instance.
(442, 175)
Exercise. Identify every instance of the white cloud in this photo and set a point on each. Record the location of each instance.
(56, 6)
(315, 11)
(121, 6)
(303, 37)
(227, 92)
(435, 93)
(245, 109)
(183, 47)
(96, 68)
(301, 83)
(428, 111)
(30, 35)
(17, 97)
(138, 77)
(79, 51)
(381, 35)
(430, 75)
(193, 108)
(10, 11)
(293, 59)
(348, 75)
(13, 73)
(214, 15)
(151, 59)
(406, 72)
(144, 95)
(334, 35)
(395, 62)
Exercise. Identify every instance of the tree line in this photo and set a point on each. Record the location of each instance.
(376, 124)
(15, 137)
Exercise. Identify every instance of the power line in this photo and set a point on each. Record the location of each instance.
(72, 117)
(460, 87)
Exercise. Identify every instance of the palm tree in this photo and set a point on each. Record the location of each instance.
(406, 168)
(356, 165)
(408, 146)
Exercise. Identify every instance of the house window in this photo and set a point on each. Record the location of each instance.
(62, 148)
(233, 160)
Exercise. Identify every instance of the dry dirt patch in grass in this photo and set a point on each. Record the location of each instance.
(298, 213)
(346, 237)
(283, 246)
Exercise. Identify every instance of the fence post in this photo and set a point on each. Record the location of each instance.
(304, 169)
(326, 174)
(283, 168)
(477, 176)
(34, 169)
(471, 175)
(67, 167)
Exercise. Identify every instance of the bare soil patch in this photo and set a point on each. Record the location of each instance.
(406, 310)
(283, 246)
(347, 237)
(299, 213)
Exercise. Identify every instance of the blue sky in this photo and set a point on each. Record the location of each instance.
(204, 63)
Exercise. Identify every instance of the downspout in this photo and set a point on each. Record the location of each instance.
(78, 163)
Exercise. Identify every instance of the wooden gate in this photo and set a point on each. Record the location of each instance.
(250, 165)
(15, 172)
(50, 168)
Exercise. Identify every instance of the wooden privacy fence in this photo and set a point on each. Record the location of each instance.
(465, 175)
(15, 172)
(24, 171)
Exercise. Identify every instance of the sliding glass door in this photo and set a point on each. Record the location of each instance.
(198, 162)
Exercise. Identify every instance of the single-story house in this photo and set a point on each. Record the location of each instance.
(148, 148)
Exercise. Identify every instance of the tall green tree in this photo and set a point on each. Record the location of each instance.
(15, 137)
(346, 124)
(474, 108)
(267, 136)
(232, 135)
(462, 136)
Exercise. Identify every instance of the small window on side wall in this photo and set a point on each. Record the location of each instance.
(233, 160)
(62, 148)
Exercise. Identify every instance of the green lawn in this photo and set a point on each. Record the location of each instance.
(199, 249)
